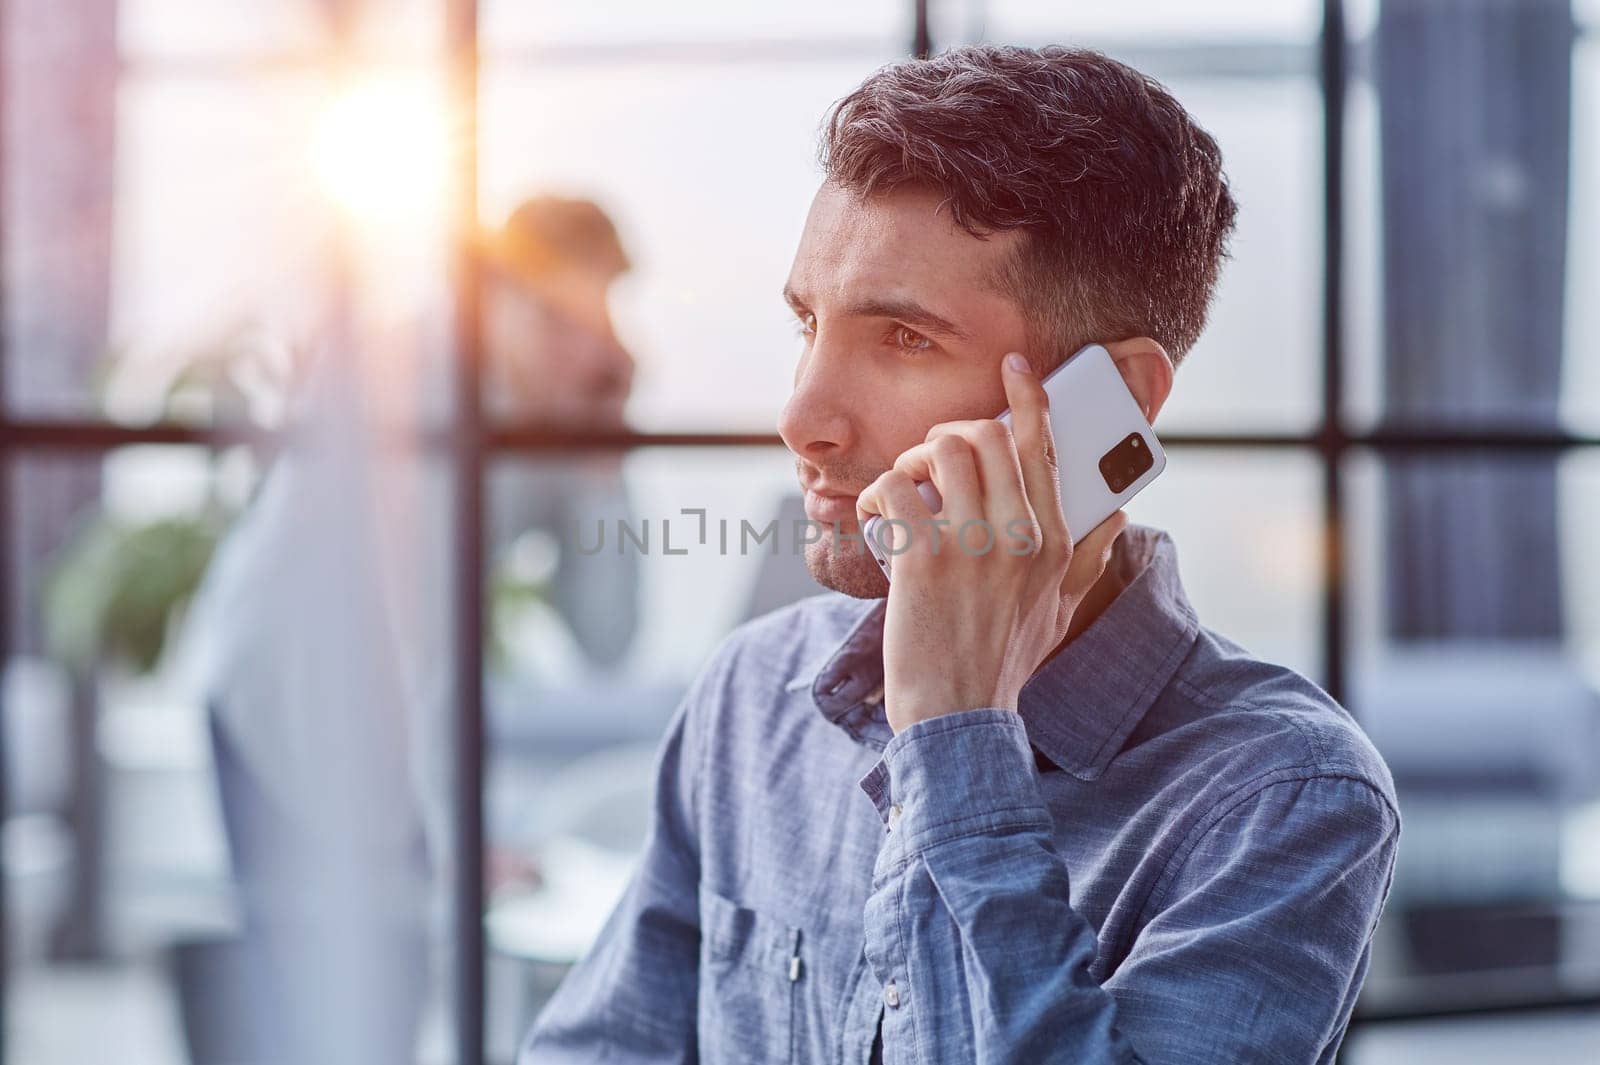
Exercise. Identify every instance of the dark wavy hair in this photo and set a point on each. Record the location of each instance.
(1122, 194)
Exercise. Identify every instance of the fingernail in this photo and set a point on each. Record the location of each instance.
(1018, 363)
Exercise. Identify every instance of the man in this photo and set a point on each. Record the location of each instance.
(554, 357)
(554, 361)
(1092, 830)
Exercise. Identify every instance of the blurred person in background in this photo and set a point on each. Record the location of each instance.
(554, 362)
(553, 354)
(324, 643)
(1017, 808)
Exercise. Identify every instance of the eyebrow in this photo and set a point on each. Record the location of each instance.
(906, 310)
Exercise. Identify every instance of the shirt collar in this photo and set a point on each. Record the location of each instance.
(1081, 705)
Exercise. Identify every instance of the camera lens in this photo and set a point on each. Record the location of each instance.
(1136, 442)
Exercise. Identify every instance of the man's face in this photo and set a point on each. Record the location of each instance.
(554, 356)
(902, 328)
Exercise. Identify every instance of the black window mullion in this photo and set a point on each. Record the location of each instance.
(1334, 56)
(5, 546)
(468, 457)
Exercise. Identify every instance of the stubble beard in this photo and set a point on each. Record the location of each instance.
(846, 567)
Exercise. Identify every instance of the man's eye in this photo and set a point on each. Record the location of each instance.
(911, 340)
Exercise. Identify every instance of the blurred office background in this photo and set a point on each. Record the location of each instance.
(223, 222)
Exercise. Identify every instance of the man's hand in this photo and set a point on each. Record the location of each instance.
(985, 590)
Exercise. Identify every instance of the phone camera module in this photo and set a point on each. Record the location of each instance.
(1125, 463)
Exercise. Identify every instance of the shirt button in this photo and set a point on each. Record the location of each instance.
(891, 995)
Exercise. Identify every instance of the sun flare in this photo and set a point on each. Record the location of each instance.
(381, 148)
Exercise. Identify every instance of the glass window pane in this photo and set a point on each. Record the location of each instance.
(1580, 370)
(596, 634)
(1248, 530)
(232, 255)
(167, 259)
(243, 266)
(706, 171)
(191, 703)
(1471, 231)
(1363, 249)
(1258, 366)
(115, 860)
(1476, 669)
(153, 311)
(571, 505)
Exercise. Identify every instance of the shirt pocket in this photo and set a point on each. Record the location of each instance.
(750, 968)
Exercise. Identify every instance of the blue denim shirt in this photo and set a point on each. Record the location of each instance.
(1172, 852)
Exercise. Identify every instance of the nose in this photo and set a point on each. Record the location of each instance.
(819, 420)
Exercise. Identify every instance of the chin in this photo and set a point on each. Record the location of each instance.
(853, 573)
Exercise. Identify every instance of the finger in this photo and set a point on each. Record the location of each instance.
(999, 475)
(1093, 554)
(1036, 448)
(949, 463)
(894, 497)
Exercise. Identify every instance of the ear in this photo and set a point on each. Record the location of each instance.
(1147, 369)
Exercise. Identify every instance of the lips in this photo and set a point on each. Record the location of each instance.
(829, 507)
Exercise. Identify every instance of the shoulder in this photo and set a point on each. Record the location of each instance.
(1262, 728)
(1277, 776)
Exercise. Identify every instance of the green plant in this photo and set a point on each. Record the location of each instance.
(116, 588)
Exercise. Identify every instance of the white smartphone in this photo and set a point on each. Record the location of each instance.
(1106, 451)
